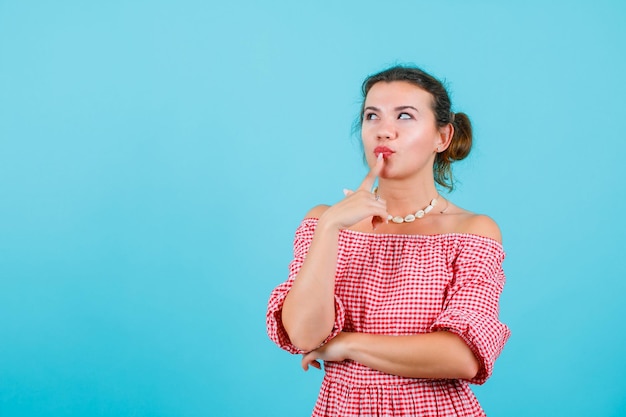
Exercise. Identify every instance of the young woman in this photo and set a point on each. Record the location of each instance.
(395, 288)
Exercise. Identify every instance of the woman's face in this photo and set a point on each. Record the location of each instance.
(398, 121)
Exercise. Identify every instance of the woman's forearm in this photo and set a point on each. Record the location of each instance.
(308, 312)
(431, 355)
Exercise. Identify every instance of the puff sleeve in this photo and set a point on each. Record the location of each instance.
(275, 330)
(471, 306)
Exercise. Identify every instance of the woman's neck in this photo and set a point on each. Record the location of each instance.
(406, 197)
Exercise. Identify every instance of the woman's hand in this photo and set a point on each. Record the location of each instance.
(336, 350)
(359, 204)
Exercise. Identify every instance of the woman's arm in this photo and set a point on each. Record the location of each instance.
(308, 312)
(431, 355)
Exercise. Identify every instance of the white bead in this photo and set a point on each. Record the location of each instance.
(412, 217)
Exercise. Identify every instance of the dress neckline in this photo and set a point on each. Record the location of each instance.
(400, 236)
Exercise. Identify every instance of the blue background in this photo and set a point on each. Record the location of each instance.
(157, 156)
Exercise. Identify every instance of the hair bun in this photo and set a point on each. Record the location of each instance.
(461, 144)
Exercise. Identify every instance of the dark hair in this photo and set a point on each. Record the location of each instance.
(461, 143)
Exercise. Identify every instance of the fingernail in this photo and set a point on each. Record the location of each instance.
(345, 191)
(380, 156)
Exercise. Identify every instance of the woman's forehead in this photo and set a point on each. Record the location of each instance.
(397, 93)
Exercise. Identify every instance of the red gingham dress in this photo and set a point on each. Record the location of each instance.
(402, 285)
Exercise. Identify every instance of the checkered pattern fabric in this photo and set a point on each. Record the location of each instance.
(403, 285)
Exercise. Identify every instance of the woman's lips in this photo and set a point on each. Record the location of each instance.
(385, 151)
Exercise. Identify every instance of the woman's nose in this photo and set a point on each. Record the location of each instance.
(386, 130)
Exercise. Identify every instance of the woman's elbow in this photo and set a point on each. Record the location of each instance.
(306, 345)
(468, 367)
(303, 339)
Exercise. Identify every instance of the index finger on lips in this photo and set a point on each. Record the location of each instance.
(371, 176)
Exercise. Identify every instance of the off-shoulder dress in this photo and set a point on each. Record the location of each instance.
(403, 285)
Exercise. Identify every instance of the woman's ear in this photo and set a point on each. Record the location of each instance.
(445, 137)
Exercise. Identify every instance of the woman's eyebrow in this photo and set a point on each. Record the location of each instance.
(400, 108)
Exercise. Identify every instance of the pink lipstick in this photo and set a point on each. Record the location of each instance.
(385, 151)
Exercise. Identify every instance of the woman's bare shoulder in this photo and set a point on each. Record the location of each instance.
(316, 211)
(481, 225)
(476, 224)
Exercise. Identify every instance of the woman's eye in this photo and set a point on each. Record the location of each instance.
(370, 116)
(404, 116)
